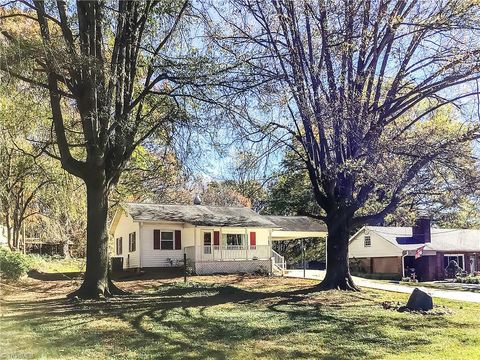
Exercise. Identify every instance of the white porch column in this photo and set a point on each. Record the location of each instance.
(195, 245)
(212, 243)
(247, 248)
(220, 239)
(139, 244)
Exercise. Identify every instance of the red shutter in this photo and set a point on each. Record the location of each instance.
(253, 238)
(156, 239)
(216, 238)
(178, 240)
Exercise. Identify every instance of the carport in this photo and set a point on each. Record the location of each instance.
(294, 228)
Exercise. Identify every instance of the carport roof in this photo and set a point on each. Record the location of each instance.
(297, 223)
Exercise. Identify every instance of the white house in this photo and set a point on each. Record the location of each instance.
(215, 239)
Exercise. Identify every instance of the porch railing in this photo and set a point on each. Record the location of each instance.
(232, 252)
(279, 262)
(190, 252)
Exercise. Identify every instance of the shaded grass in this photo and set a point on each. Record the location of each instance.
(235, 318)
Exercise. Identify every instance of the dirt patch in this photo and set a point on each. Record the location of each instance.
(51, 286)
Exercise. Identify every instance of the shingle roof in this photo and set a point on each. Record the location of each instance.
(198, 215)
(441, 239)
(297, 223)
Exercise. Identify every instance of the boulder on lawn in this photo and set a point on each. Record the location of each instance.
(420, 301)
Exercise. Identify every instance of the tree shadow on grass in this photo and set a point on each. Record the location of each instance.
(207, 321)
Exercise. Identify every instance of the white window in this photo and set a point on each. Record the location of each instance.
(233, 240)
(458, 258)
(367, 241)
(166, 240)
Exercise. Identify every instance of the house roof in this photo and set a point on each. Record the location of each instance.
(198, 215)
(441, 239)
(297, 223)
(220, 216)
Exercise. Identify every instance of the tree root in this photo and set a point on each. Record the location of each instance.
(97, 290)
(114, 289)
(341, 283)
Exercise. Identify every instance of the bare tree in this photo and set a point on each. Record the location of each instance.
(360, 85)
(22, 181)
(111, 78)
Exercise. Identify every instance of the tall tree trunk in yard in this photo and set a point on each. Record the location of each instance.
(97, 281)
(338, 270)
(100, 77)
(96, 274)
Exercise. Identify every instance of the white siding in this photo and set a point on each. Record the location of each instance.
(379, 246)
(125, 226)
(159, 258)
(146, 256)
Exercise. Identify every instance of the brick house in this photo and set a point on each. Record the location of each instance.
(392, 250)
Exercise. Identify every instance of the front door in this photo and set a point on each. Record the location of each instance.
(207, 242)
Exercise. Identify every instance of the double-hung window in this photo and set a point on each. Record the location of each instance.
(167, 240)
(163, 240)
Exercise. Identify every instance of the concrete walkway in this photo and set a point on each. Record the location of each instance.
(445, 294)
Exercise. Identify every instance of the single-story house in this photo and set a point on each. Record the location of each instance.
(215, 239)
(423, 250)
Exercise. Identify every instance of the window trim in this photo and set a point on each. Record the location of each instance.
(457, 256)
(161, 241)
(365, 243)
(132, 240)
(225, 239)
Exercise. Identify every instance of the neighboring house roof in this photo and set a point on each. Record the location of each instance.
(445, 240)
(198, 215)
(297, 223)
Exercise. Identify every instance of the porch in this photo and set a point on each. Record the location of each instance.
(218, 259)
(228, 252)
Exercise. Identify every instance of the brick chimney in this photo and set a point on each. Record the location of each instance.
(421, 231)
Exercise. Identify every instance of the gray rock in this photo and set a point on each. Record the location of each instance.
(420, 301)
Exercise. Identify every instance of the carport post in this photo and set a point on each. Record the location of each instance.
(326, 257)
(184, 266)
(303, 258)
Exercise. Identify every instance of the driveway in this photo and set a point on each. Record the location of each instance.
(445, 294)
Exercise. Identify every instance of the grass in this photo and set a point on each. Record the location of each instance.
(228, 317)
(52, 264)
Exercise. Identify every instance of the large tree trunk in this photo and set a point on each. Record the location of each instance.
(338, 271)
(97, 283)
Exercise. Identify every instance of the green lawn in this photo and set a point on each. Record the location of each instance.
(230, 318)
(445, 285)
